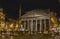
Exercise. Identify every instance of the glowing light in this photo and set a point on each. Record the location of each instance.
(52, 19)
(59, 19)
(55, 25)
(3, 37)
(45, 32)
(11, 25)
(16, 25)
(6, 27)
(11, 37)
(2, 25)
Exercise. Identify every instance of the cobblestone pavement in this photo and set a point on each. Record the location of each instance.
(27, 36)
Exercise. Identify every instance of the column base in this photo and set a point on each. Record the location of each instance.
(39, 32)
(31, 32)
(45, 32)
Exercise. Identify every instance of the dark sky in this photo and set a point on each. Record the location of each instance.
(11, 7)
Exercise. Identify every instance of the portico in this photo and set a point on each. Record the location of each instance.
(36, 21)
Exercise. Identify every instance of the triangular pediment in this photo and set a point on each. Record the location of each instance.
(36, 13)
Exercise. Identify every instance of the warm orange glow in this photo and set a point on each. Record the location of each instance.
(11, 25)
(6, 27)
(52, 19)
(11, 37)
(16, 25)
(2, 25)
(46, 32)
(55, 25)
(59, 24)
(59, 19)
(54, 22)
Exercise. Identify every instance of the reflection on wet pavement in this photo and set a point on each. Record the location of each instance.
(6, 37)
(11, 37)
(3, 37)
(27, 36)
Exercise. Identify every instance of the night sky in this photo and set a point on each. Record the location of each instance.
(11, 7)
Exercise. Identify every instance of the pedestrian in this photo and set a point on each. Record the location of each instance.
(57, 36)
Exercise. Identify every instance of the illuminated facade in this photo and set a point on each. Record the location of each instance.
(36, 21)
(12, 24)
(40, 21)
(54, 22)
(2, 19)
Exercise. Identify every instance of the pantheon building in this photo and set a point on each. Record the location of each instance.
(36, 21)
